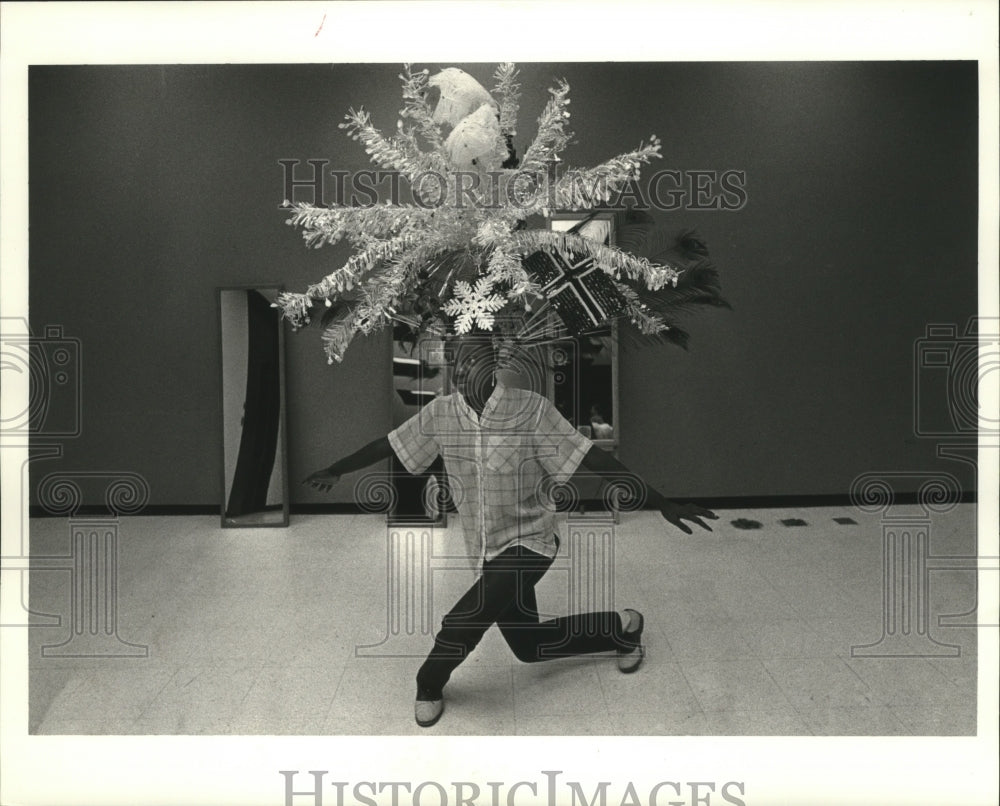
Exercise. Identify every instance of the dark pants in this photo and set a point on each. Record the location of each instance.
(505, 595)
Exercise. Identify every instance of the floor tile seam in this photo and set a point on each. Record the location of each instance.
(694, 695)
(603, 689)
(919, 702)
(729, 623)
(780, 689)
(604, 700)
(762, 655)
(336, 690)
(49, 709)
(203, 667)
(600, 684)
(874, 706)
(88, 679)
(792, 710)
(911, 730)
(870, 692)
(159, 693)
(253, 683)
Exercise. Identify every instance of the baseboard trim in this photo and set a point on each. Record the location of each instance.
(728, 502)
(807, 501)
(100, 510)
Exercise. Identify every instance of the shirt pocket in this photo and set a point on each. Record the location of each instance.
(507, 453)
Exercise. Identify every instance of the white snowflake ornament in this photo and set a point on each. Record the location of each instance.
(473, 305)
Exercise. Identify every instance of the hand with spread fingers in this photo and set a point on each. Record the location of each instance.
(375, 451)
(678, 513)
(322, 480)
(598, 460)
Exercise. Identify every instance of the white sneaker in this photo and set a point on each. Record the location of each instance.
(631, 659)
(427, 712)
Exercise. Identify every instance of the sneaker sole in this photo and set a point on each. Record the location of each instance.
(639, 646)
(632, 669)
(428, 722)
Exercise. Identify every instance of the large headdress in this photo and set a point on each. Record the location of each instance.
(461, 257)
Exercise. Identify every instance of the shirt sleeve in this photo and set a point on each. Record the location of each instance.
(415, 442)
(560, 447)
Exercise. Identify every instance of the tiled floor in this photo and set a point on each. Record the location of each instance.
(257, 631)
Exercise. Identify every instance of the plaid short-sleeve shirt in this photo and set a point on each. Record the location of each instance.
(499, 465)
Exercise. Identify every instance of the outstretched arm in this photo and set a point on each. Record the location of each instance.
(374, 451)
(598, 460)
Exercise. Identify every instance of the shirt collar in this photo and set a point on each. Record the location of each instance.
(491, 403)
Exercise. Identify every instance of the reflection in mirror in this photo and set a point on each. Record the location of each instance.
(597, 405)
(589, 396)
(584, 386)
(419, 374)
(255, 485)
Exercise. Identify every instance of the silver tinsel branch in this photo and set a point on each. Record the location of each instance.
(507, 91)
(416, 108)
(553, 136)
(611, 260)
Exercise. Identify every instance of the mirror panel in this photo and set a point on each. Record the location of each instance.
(584, 388)
(589, 398)
(254, 452)
(417, 378)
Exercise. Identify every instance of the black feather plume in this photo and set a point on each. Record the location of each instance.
(698, 285)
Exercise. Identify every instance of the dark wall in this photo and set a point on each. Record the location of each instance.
(150, 186)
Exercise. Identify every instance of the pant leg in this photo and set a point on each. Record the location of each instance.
(463, 627)
(533, 640)
(505, 594)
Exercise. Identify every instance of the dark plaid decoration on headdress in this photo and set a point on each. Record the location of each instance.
(581, 293)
